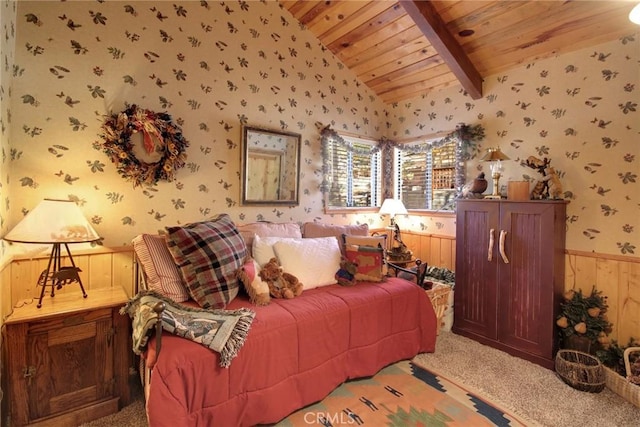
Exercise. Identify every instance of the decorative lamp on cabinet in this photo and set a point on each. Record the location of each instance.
(495, 156)
(59, 223)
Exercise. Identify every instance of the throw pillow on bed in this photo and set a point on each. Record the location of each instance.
(209, 254)
(313, 261)
(369, 260)
(160, 270)
(319, 229)
(372, 241)
(263, 248)
(267, 229)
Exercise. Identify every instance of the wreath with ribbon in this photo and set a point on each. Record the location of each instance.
(160, 136)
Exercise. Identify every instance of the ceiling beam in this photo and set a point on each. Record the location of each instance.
(429, 22)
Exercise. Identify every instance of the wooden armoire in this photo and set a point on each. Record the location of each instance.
(510, 275)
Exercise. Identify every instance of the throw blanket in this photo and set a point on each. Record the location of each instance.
(223, 331)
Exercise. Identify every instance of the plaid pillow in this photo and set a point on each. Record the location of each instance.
(209, 254)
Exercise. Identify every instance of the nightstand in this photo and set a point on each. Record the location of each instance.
(67, 362)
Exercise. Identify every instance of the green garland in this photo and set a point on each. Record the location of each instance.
(117, 131)
(464, 136)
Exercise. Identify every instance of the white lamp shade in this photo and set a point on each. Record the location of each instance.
(393, 207)
(634, 15)
(53, 221)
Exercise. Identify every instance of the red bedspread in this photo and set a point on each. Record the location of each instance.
(296, 353)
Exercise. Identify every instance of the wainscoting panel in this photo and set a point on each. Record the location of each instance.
(100, 268)
(438, 251)
(616, 276)
(619, 280)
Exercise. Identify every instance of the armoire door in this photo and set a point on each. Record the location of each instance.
(476, 268)
(526, 295)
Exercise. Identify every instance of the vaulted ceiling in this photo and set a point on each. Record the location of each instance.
(404, 49)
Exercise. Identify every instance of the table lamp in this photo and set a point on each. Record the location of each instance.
(56, 222)
(495, 157)
(392, 207)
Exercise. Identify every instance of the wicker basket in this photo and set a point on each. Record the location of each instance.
(439, 295)
(581, 371)
(620, 385)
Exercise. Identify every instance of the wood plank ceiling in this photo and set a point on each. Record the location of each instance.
(405, 49)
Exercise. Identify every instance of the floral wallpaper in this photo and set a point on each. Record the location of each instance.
(581, 111)
(7, 49)
(214, 66)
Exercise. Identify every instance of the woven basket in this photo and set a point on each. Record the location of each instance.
(620, 385)
(439, 295)
(581, 371)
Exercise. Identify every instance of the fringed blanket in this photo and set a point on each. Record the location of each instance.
(223, 331)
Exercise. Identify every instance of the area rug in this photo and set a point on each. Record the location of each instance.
(402, 394)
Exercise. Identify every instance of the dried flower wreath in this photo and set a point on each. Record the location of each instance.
(160, 135)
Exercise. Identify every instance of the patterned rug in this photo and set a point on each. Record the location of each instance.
(402, 394)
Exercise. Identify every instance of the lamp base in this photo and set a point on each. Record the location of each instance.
(58, 275)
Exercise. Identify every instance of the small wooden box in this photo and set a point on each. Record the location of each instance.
(518, 190)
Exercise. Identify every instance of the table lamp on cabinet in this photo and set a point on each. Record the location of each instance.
(495, 156)
(58, 223)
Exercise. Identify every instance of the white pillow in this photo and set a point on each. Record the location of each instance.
(262, 248)
(314, 261)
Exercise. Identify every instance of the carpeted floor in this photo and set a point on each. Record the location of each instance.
(526, 389)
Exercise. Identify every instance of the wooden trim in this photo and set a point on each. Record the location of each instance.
(357, 135)
(353, 211)
(93, 251)
(427, 137)
(422, 233)
(426, 17)
(611, 257)
(425, 212)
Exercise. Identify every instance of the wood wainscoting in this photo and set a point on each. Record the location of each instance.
(617, 277)
(100, 268)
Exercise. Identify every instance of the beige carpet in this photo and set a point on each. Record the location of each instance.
(527, 389)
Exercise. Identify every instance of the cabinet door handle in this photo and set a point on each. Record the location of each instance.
(503, 235)
(490, 249)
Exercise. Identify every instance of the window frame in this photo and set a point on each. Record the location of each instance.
(430, 142)
(375, 172)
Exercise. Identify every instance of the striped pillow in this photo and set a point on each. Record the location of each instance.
(160, 270)
(208, 255)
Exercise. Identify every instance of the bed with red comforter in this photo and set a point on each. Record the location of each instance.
(297, 351)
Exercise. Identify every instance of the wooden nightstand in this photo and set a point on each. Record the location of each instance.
(68, 362)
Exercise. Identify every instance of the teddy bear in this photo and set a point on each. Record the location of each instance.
(249, 275)
(346, 276)
(281, 284)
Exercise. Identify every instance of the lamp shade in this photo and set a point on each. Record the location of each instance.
(634, 15)
(393, 207)
(494, 154)
(53, 221)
